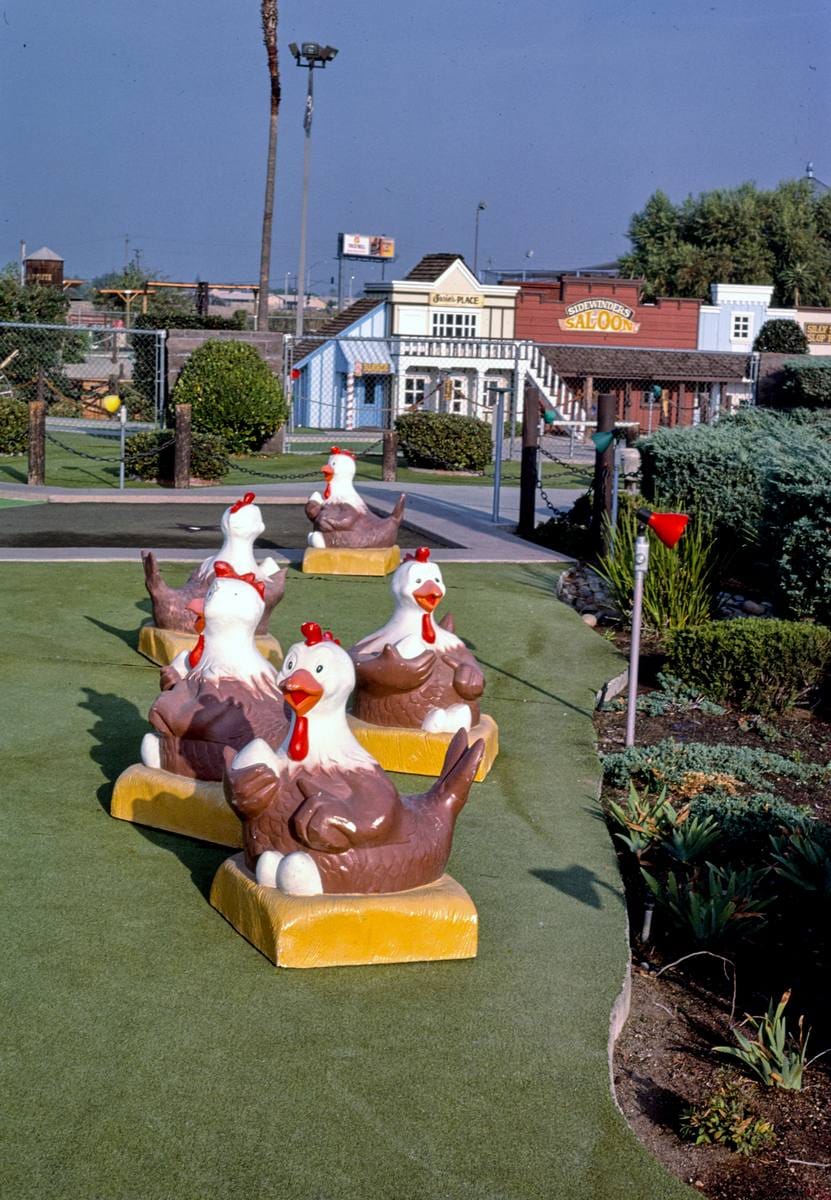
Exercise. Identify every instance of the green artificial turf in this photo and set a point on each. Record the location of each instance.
(151, 1053)
(68, 468)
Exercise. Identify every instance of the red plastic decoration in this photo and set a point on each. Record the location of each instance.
(224, 570)
(428, 631)
(196, 652)
(295, 374)
(668, 527)
(337, 450)
(299, 743)
(248, 498)
(421, 555)
(313, 635)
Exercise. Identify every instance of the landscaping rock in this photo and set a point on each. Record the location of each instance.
(590, 619)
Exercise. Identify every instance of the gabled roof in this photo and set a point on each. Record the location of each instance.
(432, 267)
(337, 325)
(44, 255)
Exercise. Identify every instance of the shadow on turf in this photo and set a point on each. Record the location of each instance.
(578, 882)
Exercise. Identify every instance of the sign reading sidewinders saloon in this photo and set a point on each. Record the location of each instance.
(599, 315)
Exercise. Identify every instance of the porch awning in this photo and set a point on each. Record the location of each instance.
(369, 356)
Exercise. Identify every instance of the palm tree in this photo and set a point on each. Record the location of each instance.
(268, 10)
(798, 276)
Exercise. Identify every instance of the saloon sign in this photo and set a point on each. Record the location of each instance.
(599, 316)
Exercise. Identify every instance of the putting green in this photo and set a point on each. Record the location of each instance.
(151, 1053)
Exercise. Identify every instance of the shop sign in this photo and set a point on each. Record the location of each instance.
(818, 333)
(456, 300)
(599, 316)
(372, 368)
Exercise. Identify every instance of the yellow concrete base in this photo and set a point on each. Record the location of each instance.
(150, 796)
(438, 921)
(343, 561)
(418, 753)
(162, 645)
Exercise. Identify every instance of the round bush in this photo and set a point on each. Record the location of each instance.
(781, 337)
(150, 456)
(14, 426)
(756, 664)
(445, 442)
(233, 393)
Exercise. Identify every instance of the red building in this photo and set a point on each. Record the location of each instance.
(602, 311)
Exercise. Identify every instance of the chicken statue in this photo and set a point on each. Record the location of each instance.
(354, 537)
(416, 675)
(221, 694)
(171, 629)
(320, 816)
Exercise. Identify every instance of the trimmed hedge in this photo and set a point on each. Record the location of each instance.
(781, 336)
(755, 664)
(14, 426)
(233, 393)
(208, 457)
(444, 441)
(806, 383)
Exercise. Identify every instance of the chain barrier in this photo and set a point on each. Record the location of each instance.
(583, 472)
(108, 458)
(311, 474)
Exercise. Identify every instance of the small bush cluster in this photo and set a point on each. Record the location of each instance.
(807, 383)
(774, 1054)
(754, 664)
(233, 393)
(149, 456)
(14, 426)
(724, 1118)
(444, 441)
(781, 336)
(673, 764)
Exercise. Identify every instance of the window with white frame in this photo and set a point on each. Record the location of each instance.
(458, 394)
(740, 327)
(415, 389)
(455, 324)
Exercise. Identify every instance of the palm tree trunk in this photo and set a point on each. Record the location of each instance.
(269, 19)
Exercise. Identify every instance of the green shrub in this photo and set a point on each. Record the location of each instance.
(781, 337)
(233, 393)
(14, 426)
(679, 588)
(713, 904)
(444, 441)
(756, 664)
(150, 455)
(723, 1118)
(672, 763)
(775, 1055)
(747, 823)
(807, 382)
(805, 569)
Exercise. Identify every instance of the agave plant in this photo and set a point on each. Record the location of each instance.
(644, 820)
(691, 836)
(803, 862)
(709, 905)
(774, 1055)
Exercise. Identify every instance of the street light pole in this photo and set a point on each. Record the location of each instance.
(312, 56)
(480, 208)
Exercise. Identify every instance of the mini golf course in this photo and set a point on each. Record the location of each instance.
(151, 1053)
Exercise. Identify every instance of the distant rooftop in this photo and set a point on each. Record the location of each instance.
(817, 186)
(541, 274)
(432, 267)
(44, 255)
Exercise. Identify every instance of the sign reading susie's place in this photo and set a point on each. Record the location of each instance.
(599, 315)
(456, 300)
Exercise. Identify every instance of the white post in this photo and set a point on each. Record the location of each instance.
(122, 413)
(641, 568)
(350, 400)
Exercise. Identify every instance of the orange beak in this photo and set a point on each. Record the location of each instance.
(327, 472)
(428, 596)
(301, 692)
(197, 607)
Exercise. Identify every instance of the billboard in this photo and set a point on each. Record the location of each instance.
(359, 245)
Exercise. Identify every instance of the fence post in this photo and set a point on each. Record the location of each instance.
(389, 465)
(528, 462)
(181, 449)
(603, 465)
(37, 436)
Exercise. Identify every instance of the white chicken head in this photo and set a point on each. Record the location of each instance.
(232, 602)
(338, 471)
(418, 583)
(317, 673)
(243, 519)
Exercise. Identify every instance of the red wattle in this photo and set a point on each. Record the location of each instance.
(328, 491)
(299, 743)
(196, 652)
(428, 631)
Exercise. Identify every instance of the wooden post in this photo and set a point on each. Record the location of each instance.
(603, 467)
(389, 468)
(181, 449)
(528, 465)
(37, 436)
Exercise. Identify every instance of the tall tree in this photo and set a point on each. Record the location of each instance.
(268, 9)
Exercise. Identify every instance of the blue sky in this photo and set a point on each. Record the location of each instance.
(150, 120)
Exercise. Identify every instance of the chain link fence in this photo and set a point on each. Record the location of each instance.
(81, 365)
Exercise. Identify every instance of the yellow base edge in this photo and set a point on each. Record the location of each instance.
(162, 800)
(426, 924)
(344, 561)
(415, 752)
(162, 645)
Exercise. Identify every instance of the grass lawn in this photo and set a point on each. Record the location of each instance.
(64, 468)
(150, 1053)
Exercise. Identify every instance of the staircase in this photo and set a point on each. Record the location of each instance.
(554, 391)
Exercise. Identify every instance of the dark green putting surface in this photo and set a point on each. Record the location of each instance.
(170, 526)
(150, 1053)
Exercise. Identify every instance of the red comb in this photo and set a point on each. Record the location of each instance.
(421, 555)
(248, 498)
(337, 450)
(314, 635)
(224, 570)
